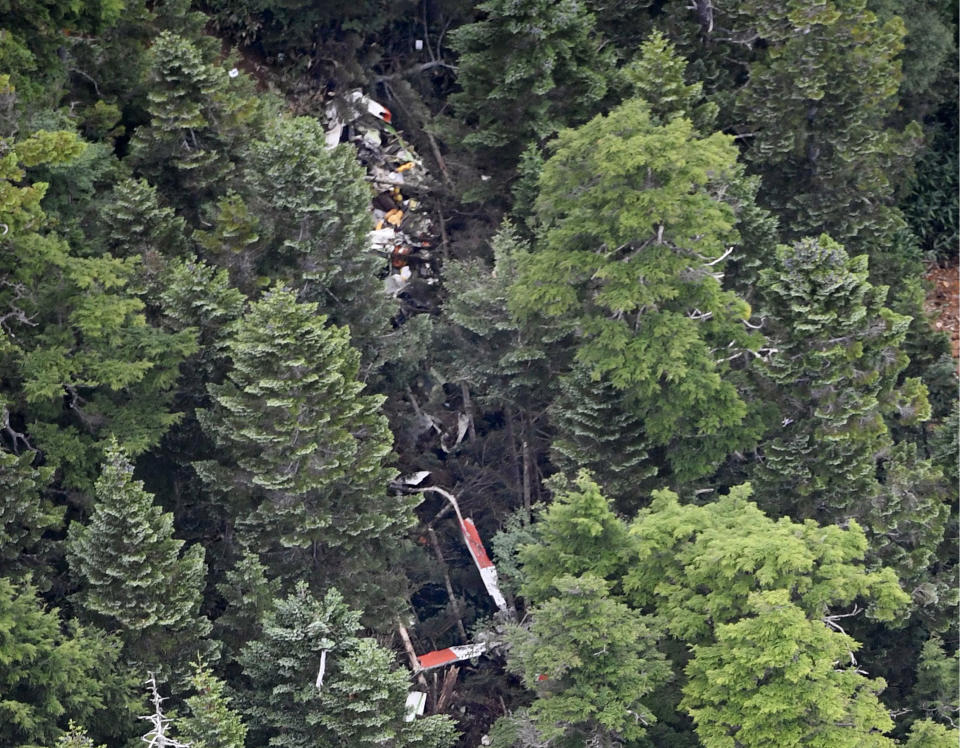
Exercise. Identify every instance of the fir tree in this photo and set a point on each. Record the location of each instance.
(200, 121)
(209, 721)
(133, 576)
(49, 672)
(816, 103)
(526, 69)
(805, 689)
(313, 209)
(136, 224)
(248, 595)
(362, 695)
(596, 429)
(836, 374)
(303, 450)
(592, 661)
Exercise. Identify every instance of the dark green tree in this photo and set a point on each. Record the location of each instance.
(136, 224)
(526, 69)
(834, 377)
(79, 360)
(201, 120)
(133, 576)
(25, 514)
(313, 207)
(49, 672)
(361, 698)
(303, 452)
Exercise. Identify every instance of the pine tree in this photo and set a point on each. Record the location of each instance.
(362, 695)
(635, 228)
(25, 515)
(209, 721)
(200, 122)
(577, 534)
(525, 70)
(816, 104)
(132, 574)
(596, 429)
(303, 451)
(80, 361)
(248, 595)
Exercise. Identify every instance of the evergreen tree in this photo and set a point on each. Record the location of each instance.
(25, 515)
(698, 565)
(635, 226)
(209, 721)
(525, 70)
(362, 696)
(597, 429)
(248, 595)
(49, 673)
(836, 374)
(815, 105)
(201, 120)
(133, 576)
(592, 661)
(313, 207)
(136, 224)
(576, 535)
(79, 360)
(803, 690)
(303, 452)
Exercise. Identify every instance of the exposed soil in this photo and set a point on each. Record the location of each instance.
(943, 302)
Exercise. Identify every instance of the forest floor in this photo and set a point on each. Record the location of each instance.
(943, 302)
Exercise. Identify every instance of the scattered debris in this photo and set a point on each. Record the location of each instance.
(323, 669)
(403, 234)
(943, 302)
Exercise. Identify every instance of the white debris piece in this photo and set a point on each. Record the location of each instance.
(416, 703)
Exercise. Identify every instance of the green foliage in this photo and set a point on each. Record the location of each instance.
(925, 733)
(248, 595)
(313, 207)
(835, 370)
(633, 213)
(525, 70)
(209, 721)
(815, 104)
(509, 362)
(303, 451)
(773, 678)
(75, 737)
(80, 361)
(577, 534)
(698, 565)
(49, 672)
(26, 513)
(597, 429)
(135, 223)
(600, 661)
(201, 120)
(362, 698)
(938, 683)
(657, 77)
(133, 575)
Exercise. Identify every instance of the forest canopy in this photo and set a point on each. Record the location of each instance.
(518, 373)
